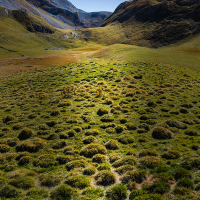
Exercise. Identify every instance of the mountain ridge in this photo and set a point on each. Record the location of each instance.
(58, 13)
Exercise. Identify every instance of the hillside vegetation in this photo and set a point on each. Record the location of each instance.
(106, 130)
(151, 23)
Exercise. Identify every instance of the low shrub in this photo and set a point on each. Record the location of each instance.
(123, 169)
(181, 191)
(55, 113)
(107, 118)
(62, 192)
(89, 171)
(104, 166)
(92, 149)
(9, 191)
(161, 133)
(191, 133)
(25, 133)
(134, 176)
(105, 178)
(62, 159)
(49, 180)
(112, 145)
(32, 145)
(45, 161)
(4, 148)
(88, 140)
(148, 152)
(179, 173)
(8, 118)
(12, 141)
(92, 132)
(59, 145)
(171, 154)
(117, 192)
(24, 160)
(37, 193)
(119, 129)
(130, 160)
(99, 158)
(75, 164)
(158, 187)
(177, 124)
(71, 133)
(151, 161)
(126, 139)
(185, 182)
(80, 181)
(113, 157)
(102, 111)
(23, 182)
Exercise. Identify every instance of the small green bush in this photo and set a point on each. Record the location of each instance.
(148, 152)
(113, 157)
(123, 169)
(134, 176)
(45, 161)
(9, 191)
(55, 113)
(171, 154)
(80, 181)
(99, 158)
(75, 164)
(89, 171)
(37, 193)
(94, 193)
(119, 129)
(177, 124)
(24, 160)
(161, 133)
(12, 141)
(191, 133)
(71, 133)
(130, 160)
(31, 146)
(8, 118)
(23, 182)
(92, 132)
(62, 159)
(4, 148)
(179, 173)
(112, 145)
(88, 140)
(25, 133)
(126, 139)
(104, 166)
(136, 193)
(59, 145)
(92, 149)
(117, 192)
(49, 180)
(181, 191)
(158, 187)
(105, 178)
(62, 192)
(185, 182)
(151, 161)
(102, 111)
(107, 118)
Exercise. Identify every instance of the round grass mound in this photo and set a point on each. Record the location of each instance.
(117, 192)
(161, 133)
(92, 149)
(105, 178)
(62, 192)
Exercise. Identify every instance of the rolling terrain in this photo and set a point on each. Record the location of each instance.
(95, 113)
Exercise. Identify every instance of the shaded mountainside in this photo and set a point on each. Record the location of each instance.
(58, 13)
(158, 22)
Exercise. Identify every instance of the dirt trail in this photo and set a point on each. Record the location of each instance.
(16, 65)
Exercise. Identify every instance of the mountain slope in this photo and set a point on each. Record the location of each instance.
(58, 13)
(157, 22)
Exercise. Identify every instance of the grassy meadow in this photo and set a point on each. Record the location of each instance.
(118, 122)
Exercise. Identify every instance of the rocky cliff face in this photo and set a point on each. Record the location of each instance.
(168, 20)
(58, 13)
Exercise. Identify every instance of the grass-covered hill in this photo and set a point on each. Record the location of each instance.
(100, 130)
(152, 23)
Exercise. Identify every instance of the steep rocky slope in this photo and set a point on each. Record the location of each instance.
(58, 13)
(160, 21)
